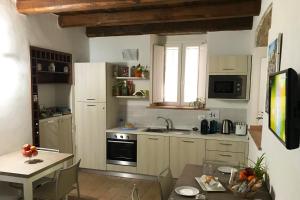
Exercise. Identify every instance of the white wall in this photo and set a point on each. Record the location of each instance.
(17, 33)
(283, 164)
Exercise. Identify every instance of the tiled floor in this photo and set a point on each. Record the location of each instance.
(102, 187)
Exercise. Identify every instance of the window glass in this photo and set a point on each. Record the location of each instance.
(171, 74)
(191, 73)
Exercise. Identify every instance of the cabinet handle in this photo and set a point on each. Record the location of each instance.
(226, 144)
(153, 138)
(225, 155)
(51, 121)
(90, 99)
(91, 105)
(228, 69)
(188, 141)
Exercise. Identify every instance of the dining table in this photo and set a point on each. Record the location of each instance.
(16, 168)
(187, 178)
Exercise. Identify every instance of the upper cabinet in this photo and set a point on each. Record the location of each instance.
(90, 82)
(224, 64)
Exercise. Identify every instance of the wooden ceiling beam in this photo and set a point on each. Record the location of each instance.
(63, 6)
(244, 23)
(162, 15)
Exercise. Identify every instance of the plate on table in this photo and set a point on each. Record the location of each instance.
(225, 169)
(187, 191)
(215, 187)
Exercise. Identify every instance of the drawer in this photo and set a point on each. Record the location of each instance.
(121, 168)
(223, 145)
(230, 158)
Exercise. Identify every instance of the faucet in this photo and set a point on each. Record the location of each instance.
(168, 122)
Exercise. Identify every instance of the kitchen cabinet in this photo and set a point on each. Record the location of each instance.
(90, 82)
(185, 151)
(152, 154)
(225, 64)
(227, 152)
(56, 133)
(90, 134)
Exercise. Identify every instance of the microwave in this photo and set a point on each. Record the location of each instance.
(229, 87)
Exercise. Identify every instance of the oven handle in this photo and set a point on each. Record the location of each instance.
(123, 142)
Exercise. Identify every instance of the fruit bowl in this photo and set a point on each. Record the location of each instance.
(29, 151)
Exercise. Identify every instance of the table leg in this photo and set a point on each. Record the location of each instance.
(28, 193)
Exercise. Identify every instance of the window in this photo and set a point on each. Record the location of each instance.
(184, 73)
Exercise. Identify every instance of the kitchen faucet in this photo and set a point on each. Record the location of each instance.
(168, 121)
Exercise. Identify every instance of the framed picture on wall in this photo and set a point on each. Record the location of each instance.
(274, 61)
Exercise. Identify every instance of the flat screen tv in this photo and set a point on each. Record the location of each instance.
(284, 107)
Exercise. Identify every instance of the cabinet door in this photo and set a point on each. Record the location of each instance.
(49, 133)
(185, 151)
(90, 135)
(229, 64)
(90, 82)
(153, 154)
(65, 138)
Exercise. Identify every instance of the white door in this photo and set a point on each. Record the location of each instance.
(90, 134)
(90, 82)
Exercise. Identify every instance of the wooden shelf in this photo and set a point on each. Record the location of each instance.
(48, 72)
(256, 134)
(131, 78)
(132, 97)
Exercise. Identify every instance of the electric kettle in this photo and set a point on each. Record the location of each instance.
(227, 126)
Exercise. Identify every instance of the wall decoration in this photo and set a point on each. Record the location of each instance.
(274, 59)
(130, 54)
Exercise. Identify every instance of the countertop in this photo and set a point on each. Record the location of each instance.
(191, 134)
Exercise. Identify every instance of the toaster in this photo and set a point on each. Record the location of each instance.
(241, 128)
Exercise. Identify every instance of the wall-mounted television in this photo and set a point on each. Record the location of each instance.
(284, 107)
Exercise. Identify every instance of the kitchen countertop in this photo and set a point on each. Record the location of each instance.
(191, 134)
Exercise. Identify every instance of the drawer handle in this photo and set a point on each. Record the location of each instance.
(91, 105)
(90, 99)
(225, 155)
(228, 69)
(153, 138)
(188, 141)
(51, 121)
(226, 144)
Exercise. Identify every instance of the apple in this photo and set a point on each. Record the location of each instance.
(33, 148)
(26, 147)
(28, 153)
(34, 152)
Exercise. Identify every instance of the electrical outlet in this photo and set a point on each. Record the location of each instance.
(212, 115)
(201, 117)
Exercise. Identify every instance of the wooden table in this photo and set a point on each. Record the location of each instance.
(13, 168)
(187, 178)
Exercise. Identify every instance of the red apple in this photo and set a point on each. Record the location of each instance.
(34, 152)
(28, 153)
(26, 147)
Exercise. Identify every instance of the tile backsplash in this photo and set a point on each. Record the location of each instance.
(141, 116)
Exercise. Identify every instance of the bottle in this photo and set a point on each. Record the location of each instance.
(124, 90)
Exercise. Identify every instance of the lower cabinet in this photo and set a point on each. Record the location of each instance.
(152, 154)
(185, 151)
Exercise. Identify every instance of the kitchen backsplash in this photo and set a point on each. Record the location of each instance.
(140, 116)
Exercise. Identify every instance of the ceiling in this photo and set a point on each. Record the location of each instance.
(134, 17)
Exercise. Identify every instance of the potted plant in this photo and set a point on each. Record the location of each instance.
(141, 71)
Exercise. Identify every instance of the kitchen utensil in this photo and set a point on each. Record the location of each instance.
(241, 128)
(213, 126)
(227, 126)
(204, 126)
(187, 191)
(218, 187)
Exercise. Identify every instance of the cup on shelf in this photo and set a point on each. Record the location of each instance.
(39, 67)
(51, 67)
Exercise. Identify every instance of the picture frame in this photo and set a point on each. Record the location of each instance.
(274, 62)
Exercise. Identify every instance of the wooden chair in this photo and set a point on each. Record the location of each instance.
(66, 181)
(135, 193)
(166, 183)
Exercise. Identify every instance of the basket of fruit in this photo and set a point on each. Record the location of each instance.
(249, 181)
(29, 151)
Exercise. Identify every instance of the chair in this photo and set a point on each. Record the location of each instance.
(166, 183)
(135, 193)
(63, 185)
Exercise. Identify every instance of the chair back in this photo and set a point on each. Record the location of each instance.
(165, 180)
(66, 179)
(135, 193)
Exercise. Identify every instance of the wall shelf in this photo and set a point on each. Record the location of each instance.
(131, 78)
(132, 97)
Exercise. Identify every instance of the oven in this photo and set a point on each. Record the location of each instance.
(121, 149)
(228, 87)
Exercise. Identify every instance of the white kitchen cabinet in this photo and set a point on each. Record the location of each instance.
(56, 133)
(90, 82)
(185, 151)
(226, 64)
(152, 154)
(90, 134)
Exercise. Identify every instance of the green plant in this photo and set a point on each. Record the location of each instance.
(259, 167)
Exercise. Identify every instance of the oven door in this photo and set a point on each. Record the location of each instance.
(227, 86)
(121, 152)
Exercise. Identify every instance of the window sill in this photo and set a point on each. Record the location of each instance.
(174, 107)
(256, 134)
